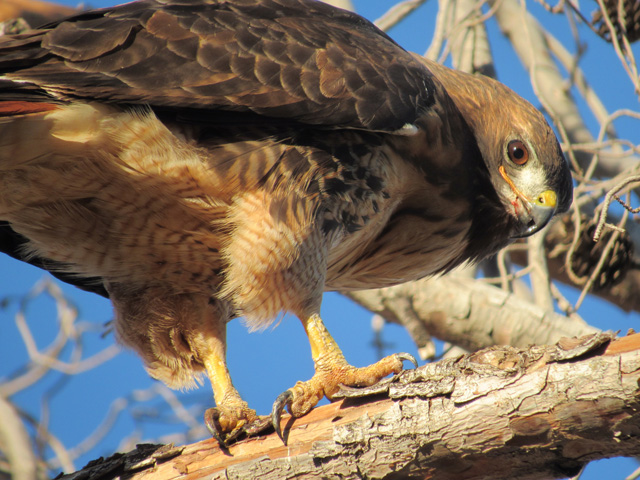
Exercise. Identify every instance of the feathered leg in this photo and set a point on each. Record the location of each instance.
(180, 337)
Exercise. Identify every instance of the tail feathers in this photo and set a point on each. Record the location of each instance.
(12, 108)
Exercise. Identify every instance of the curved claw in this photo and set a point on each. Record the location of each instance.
(409, 357)
(233, 435)
(212, 424)
(283, 400)
(259, 425)
(250, 428)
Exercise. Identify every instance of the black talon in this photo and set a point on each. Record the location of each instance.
(231, 438)
(211, 422)
(283, 400)
(259, 425)
(409, 357)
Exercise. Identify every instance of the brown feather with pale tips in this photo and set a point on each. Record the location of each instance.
(201, 160)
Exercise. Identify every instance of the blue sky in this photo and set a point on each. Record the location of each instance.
(266, 363)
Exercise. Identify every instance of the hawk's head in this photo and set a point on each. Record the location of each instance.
(520, 150)
(525, 162)
(531, 176)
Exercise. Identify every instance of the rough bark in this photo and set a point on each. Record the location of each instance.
(503, 412)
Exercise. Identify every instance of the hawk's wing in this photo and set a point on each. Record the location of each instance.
(305, 62)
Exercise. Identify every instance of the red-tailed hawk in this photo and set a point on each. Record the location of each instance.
(199, 160)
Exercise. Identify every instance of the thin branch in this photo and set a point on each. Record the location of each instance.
(624, 52)
(607, 201)
(568, 61)
(540, 281)
(397, 13)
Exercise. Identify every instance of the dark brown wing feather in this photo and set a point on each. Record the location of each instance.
(298, 60)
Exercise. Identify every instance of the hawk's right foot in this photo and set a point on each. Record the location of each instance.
(232, 419)
(332, 370)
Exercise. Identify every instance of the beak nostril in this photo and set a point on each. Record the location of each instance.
(547, 199)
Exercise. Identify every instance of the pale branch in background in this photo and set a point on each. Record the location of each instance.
(15, 445)
(468, 313)
(397, 13)
(21, 458)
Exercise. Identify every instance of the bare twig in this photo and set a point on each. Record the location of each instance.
(609, 197)
(397, 13)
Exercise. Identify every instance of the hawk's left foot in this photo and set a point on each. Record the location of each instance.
(332, 370)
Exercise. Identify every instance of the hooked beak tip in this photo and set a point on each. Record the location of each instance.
(534, 219)
(535, 213)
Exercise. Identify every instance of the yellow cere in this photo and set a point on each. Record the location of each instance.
(547, 199)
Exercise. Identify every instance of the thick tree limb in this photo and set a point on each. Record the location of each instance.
(472, 314)
(541, 412)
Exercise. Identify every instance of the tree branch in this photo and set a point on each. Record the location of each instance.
(541, 412)
(15, 443)
(468, 313)
(625, 294)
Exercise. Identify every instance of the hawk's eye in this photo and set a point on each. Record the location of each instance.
(518, 152)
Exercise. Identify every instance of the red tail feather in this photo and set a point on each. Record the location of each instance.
(10, 108)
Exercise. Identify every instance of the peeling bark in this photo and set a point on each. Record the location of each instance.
(503, 412)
